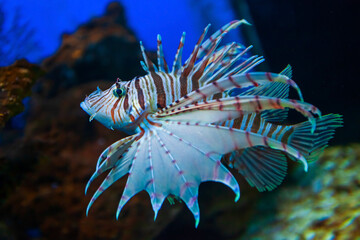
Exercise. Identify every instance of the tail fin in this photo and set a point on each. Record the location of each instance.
(311, 145)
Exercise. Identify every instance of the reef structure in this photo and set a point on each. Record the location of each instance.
(326, 206)
(15, 84)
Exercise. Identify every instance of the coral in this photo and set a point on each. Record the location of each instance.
(15, 84)
(324, 206)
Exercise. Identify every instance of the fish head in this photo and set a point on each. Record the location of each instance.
(111, 107)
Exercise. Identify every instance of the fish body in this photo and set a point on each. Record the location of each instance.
(186, 124)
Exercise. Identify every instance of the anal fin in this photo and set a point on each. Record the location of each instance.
(262, 167)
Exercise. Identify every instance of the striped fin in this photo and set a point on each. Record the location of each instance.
(219, 33)
(275, 116)
(226, 54)
(219, 68)
(164, 163)
(174, 157)
(211, 60)
(241, 68)
(177, 61)
(214, 61)
(148, 65)
(233, 52)
(201, 68)
(110, 157)
(287, 71)
(272, 89)
(239, 81)
(121, 168)
(263, 168)
(114, 151)
(163, 67)
(222, 58)
(189, 78)
(189, 64)
(233, 107)
(224, 140)
(311, 145)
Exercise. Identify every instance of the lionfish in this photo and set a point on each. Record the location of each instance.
(186, 124)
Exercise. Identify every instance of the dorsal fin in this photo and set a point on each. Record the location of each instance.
(160, 56)
(271, 89)
(177, 61)
(287, 71)
(147, 65)
(189, 64)
(221, 32)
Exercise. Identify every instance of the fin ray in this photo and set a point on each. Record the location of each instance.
(223, 84)
(263, 168)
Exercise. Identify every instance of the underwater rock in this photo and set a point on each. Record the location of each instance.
(50, 197)
(325, 205)
(44, 170)
(15, 84)
(104, 48)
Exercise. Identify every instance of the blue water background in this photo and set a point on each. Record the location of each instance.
(50, 19)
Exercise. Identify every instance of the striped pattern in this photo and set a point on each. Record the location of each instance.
(187, 122)
(161, 88)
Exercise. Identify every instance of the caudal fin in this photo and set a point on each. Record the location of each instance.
(312, 144)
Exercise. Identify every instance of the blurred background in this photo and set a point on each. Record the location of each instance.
(53, 53)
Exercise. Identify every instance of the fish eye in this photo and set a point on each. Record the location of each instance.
(119, 91)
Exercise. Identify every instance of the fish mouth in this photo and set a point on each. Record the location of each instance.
(85, 106)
